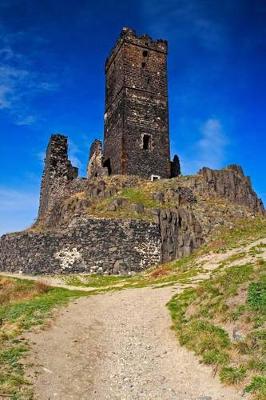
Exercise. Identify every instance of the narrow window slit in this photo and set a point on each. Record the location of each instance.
(146, 142)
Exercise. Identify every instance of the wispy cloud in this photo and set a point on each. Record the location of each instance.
(18, 208)
(74, 154)
(26, 120)
(209, 150)
(20, 82)
(212, 143)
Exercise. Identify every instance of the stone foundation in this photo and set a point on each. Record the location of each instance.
(93, 246)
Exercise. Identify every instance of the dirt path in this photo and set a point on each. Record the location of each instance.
(118, 346)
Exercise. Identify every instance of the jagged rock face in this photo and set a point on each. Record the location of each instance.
(95, 164)
(180, 196)
(181, 233)
(231, 183)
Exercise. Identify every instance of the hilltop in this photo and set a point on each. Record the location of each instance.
(125, 224)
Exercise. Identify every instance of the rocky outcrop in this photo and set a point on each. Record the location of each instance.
(179, 195)
(231, 183)
(181, 233)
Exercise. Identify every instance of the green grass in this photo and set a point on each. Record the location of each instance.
(94, 280)
(257, 295)
(23, 304)
(232, 295)
(139, 196)
(244, 231)
(231, 375)
(257, 387)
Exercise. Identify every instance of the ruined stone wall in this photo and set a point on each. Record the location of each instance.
(94, 245)
(136, 137)
(175, 167)
(95, 166)
(58, 171)
(102, 245)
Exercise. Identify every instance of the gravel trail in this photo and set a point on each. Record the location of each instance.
(119, 346)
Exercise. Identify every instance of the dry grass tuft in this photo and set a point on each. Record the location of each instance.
(42, 287)
(157, 273)
(12, 290)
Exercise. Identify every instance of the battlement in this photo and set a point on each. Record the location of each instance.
(129, 35)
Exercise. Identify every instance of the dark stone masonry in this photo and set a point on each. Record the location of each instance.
(94, 245)
(58, 171)
(128, 234)
(136, 127)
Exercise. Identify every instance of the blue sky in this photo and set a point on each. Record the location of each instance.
(52, 57)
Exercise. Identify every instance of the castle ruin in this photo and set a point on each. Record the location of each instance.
(136, 127)
(127, 214)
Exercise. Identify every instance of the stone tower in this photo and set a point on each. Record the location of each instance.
(136, 132)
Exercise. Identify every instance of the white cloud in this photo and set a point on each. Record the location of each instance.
(18, 209)
(28, 120)
(212, 143)
(209, 150)
(6, 53)
(74, 154)
(20, 82)
(5, 92)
